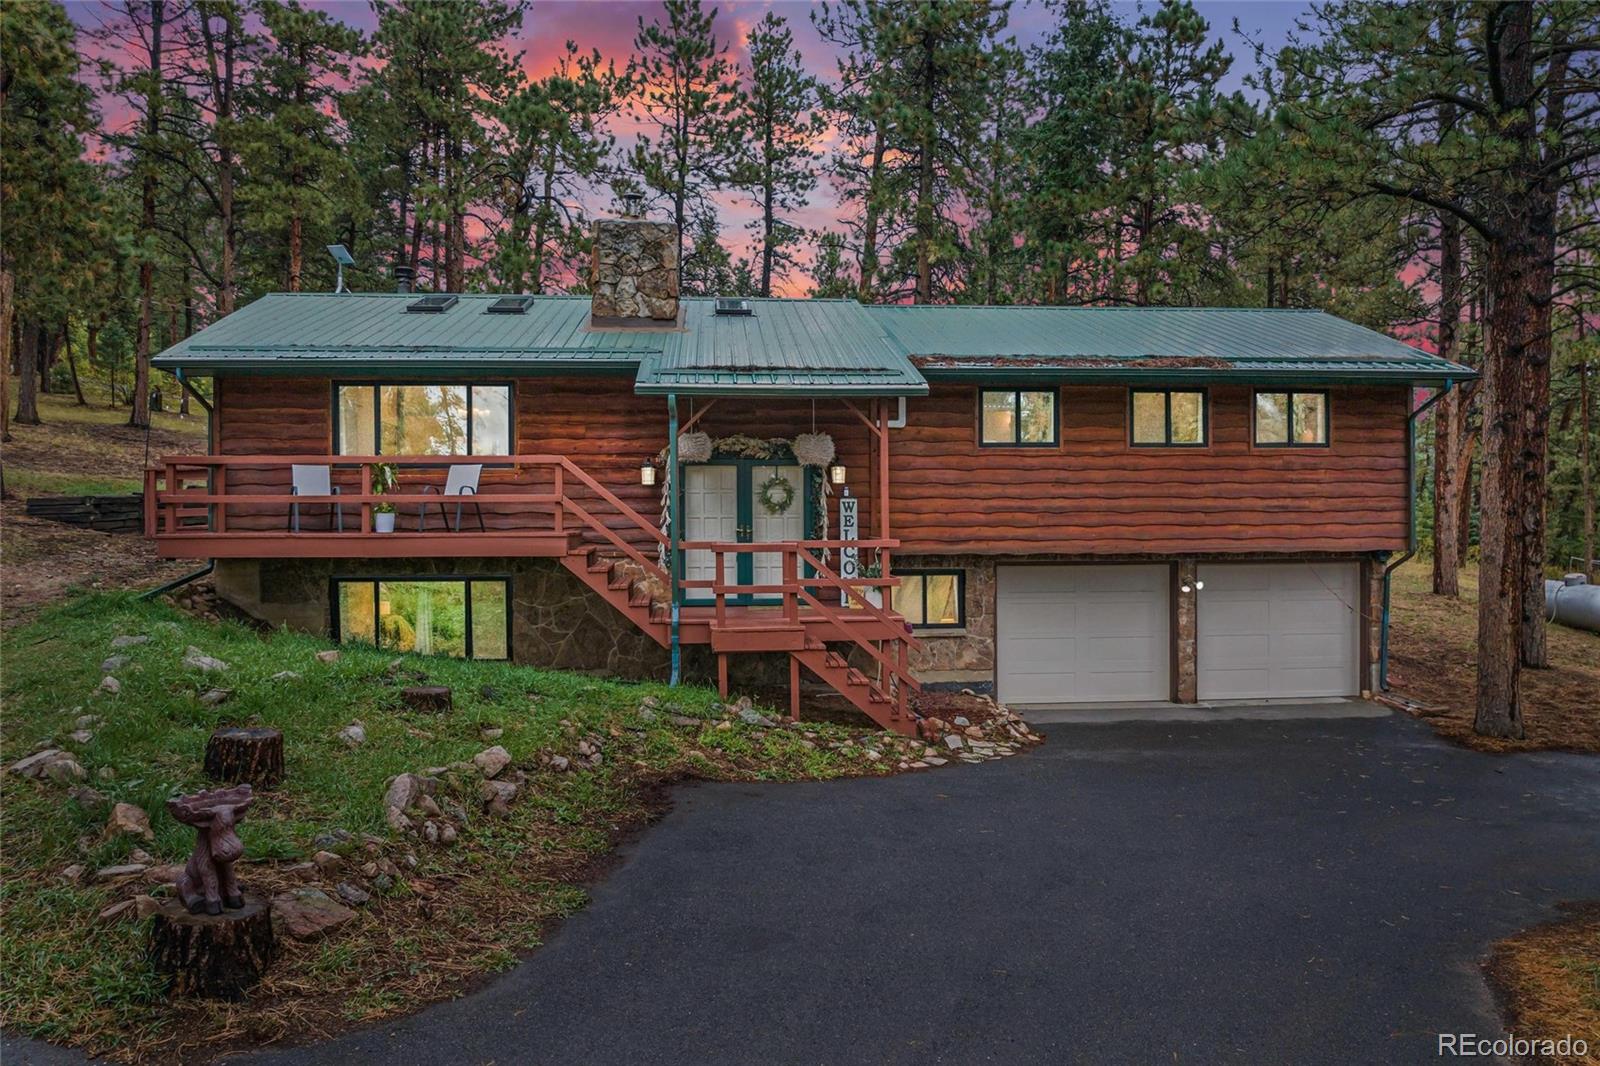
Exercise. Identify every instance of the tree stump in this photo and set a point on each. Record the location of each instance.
(245, 754)
(433, 698)
(216, 956)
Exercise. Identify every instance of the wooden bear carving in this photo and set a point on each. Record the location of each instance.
(208, 881)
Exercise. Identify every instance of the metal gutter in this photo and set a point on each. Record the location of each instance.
(1411, 535)
(1198, 376)
(674, 523)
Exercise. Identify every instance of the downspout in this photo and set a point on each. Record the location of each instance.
(1411, 534)
(180, 582)
(672, 531)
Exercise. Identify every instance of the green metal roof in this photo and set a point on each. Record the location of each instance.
(819, 347)
(813, 347)
(374, 332)
(1169, 343)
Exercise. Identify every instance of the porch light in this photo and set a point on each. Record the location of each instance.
(647, 473)
(836, 473)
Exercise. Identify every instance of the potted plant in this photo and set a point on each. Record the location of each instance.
(873, 594)
(384, 478)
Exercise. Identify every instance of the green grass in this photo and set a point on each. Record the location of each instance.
(44, 483)
(465, 910)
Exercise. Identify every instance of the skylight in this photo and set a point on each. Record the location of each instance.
(510, 305)
(433, 305)
(727, 305)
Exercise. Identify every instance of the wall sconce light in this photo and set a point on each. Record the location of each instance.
(1185, 588)
(647, 473)
(1199, 584)
(836, 473)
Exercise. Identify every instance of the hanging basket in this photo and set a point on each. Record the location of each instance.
(694, 447)
(813, 449)
(777, 494)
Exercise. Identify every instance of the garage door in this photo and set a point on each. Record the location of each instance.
(1278, 630)
(1082, 634)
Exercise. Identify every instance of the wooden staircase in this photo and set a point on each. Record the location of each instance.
(879, 700)
(608, 575)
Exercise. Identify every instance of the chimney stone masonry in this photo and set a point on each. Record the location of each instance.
(633, 279)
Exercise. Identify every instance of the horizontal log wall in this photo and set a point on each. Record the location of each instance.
(1095, 494)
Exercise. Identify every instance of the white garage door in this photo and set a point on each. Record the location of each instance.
(1081, 634)
(1278, 630)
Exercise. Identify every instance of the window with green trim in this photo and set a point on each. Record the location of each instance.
(931, 599)
(1291, 419)
(468, 618)
(1017, 418)
(422, 419)
(1168, 418)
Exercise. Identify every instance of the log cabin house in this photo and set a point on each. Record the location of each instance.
(1056, 505)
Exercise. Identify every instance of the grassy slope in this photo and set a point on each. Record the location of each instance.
(1551, 977)
(1434, 660)
(464, 911)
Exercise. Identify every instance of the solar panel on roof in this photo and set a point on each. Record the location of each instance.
(510, 305)
(433, 305)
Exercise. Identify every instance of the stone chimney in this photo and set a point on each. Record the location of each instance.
(633, 280)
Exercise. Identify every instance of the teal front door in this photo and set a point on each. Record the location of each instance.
(720, 501)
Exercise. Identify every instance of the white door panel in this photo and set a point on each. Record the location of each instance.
(1278, 630)
(790, 525)
(1076, 634)
(711, 513)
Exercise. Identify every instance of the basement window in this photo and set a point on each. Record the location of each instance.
(1291, 420)
(464, 618)
(1167, 418)
(931, 599)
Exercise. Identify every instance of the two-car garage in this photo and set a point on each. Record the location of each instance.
(1106, 633)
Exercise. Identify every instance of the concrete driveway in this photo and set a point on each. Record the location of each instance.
(1250, 891)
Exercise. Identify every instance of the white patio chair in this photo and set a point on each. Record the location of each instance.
(313, 481)
(462, 483)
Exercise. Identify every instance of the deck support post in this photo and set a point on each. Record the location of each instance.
(673, 523)
(794, 689)
(722, 674)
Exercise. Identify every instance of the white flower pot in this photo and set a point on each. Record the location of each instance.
(383, 522)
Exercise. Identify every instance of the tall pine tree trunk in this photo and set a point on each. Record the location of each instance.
(72, 364)
(29, 353)
(140, 414)
(1446, 420)
(871, 213)
(7, 327)
(1585, 429)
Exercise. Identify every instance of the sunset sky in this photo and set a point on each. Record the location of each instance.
(610, 27)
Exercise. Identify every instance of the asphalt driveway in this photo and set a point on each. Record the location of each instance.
(1277, 891)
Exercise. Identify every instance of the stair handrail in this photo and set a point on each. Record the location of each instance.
(833, 580)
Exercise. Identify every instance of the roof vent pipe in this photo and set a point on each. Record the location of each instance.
(402, 278)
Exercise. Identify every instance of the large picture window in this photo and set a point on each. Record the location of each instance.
(467, 618)
(1017, 418)
(423, 419)
(1291, 419)
(931, 599)
(1167, 418)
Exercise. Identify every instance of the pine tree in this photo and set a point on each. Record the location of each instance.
(782, 121)
(691, 106)
(831, 278)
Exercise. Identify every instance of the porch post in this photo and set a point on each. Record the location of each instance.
(674, 521)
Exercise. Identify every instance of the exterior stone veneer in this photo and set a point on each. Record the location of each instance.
(633, 276)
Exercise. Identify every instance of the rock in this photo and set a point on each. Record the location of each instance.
(113, 873)
(872, 756)
(497, 796)
(961, 721)
(329, 862)
(141, 856)
(65, 770)
(934, 760)
(559, 763)
(490, 732)
(118, 911)
(447, 834)
(33, 765)
(80, 736)
(145, 905)
(87, 721)
(305, 871)
(126, 641)
(106, 773)
(490, 761)
(683, 721)
(91, 800)
(352, 894)
(403, 792)
(196, 659)
(72, 874)
(751, 716)
(954, 742)
(353, 735)
(383, 882)
(430, 831)
(163, 875)
(285, 675)
(111, 685)
(428, 806)
(126, 819)
(646, 714)
(329, 656)
(307, 914)
(332, 838)
(114, 663)
(215, 696)
(973, 731)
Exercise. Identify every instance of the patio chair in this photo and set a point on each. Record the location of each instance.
(462, 483)
(314, 481)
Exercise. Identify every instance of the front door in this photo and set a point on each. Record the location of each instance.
(721, 501)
